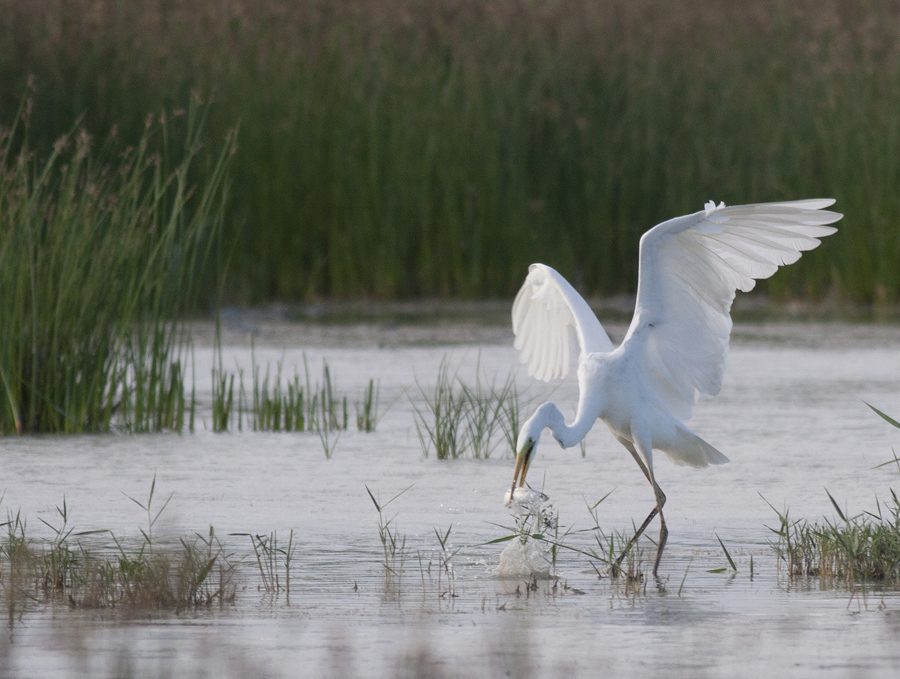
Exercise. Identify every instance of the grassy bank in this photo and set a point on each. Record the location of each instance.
(409, 148)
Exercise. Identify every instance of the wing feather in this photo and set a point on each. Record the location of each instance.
(690, 268)
(552, 323)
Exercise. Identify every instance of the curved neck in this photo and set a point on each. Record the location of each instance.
(548, 415)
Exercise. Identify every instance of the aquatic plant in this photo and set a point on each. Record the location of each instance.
(148, 576)
(325, 438)
(457, 418)
(393, 543)
(859, 549)
(269, 557)
(887, 418)
(439, 425)
(223, 402)
(103, 252)
(856, 549)
(445, 564)
(566, 128)
(294, 404)
(731, 565)
(367, 414)
(487, 409)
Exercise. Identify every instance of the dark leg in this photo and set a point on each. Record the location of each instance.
(663, 531)
(660, 502)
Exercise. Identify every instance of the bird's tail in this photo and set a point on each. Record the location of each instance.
(688, 448)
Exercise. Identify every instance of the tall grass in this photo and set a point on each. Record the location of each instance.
(103, 249)
(417, 147)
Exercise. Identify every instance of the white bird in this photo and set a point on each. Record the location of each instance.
(676, 347)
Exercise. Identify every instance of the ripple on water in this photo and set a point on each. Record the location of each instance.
(790, 417)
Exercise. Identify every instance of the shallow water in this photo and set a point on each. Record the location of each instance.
(791, 417)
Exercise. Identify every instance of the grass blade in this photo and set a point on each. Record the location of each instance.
(887, 418)
(727, 555)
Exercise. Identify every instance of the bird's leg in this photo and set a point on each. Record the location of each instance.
(663, 531)
(660, 501)
(634, 537)
(647, 449)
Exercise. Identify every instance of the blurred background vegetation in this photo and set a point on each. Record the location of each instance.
(434, 148)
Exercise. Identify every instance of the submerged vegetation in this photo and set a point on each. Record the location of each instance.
(396, 149)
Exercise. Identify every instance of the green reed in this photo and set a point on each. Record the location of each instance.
(367, 412)
(269, 557)
(296, 404)
(399, 148)
(459, 418)
(104, 249)
(862, 548)
(299, 406)
(444, 565)
(439, 422)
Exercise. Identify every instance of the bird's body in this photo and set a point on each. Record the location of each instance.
(676, 347)
(609, 384)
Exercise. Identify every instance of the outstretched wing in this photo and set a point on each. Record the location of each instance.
(690, 268)
(553, 324)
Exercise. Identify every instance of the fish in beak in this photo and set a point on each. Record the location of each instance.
(523, 460)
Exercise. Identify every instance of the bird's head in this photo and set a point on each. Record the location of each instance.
(529, 436)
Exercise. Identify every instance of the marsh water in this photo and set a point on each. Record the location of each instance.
(791, 417)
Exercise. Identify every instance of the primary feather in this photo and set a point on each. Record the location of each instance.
(690, 268)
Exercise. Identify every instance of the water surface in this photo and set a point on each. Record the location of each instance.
(791, 417)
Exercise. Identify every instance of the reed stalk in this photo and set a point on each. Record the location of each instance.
(292, 404)
(396, 149)
(103, 252)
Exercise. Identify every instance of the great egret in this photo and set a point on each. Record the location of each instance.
(645, 389)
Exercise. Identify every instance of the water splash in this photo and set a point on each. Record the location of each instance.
(528, 554)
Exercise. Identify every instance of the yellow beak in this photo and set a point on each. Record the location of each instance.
(523, 460)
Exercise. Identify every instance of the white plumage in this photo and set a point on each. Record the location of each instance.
(553, 324)
(677, 344)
